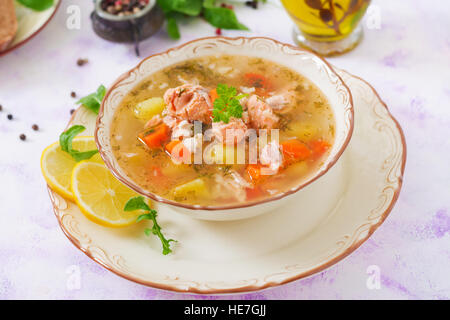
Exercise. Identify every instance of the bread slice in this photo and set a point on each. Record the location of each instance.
(8, 23)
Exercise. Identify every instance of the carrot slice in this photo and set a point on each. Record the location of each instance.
(258, 81)
(254, 193)
(177, 151)
(295, 150)
(172, 144)
(213, 95)
(156, 172)
(254, 173)
(319, 147)
(155, 137)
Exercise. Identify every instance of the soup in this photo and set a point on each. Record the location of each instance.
(222, 130)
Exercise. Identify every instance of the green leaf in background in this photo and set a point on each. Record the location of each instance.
(209, 3)
(172, 28)
(166, 5)
(223, 18)
(94, 100)
(65, 142)
(37, 5)
(219, 17)
(189, 7)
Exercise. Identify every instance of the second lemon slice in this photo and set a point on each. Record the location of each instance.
(100, 196)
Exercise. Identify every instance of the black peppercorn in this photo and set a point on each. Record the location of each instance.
(10, 116)
(73, 94)
(72, 111)
(23, 137)
(35, 127)
(82, 62)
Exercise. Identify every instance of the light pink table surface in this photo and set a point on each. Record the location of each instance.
(407, 59)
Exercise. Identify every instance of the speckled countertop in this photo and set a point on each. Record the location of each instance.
(407, 59)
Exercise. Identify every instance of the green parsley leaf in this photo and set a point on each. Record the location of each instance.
(80, 156)
(65, 139)
(94, 100)
(65, 142)
(223, 18)
(227, 104)
(138, 203)
(37, 5)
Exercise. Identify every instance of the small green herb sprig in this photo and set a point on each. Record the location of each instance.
(65, 142)
(138, 203)
(94, 100)
(36, 5)
(227, 104)
(91, 102)
(219, 17)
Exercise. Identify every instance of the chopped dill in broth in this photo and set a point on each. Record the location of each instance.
(152, 130)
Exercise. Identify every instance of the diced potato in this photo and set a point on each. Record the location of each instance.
(297, 169)
(302, 130)
(146, 109)
(175, 170)
(195, 188)
(222, 154)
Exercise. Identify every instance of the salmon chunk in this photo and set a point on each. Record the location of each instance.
(271, 157)
(189, 102)
(153, 121)
(231, 184)
(260, 114)
(282, 102)
(183, 129)
(232, 132)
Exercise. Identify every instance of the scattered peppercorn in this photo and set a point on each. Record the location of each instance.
(35, 127)
(72, 111)
(23, 137)
(73, 94)
(82, 62)
(10, 116)
(1, 107)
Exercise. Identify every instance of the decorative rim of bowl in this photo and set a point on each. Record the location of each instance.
(319, 173)
(112, 17)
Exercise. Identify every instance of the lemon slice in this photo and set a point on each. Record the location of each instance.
(57, 165)
(100, 196)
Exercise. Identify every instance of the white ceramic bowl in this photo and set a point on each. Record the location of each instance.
(304, 62)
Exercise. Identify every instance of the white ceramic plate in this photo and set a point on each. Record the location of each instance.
(30, 23)
(268, 250)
